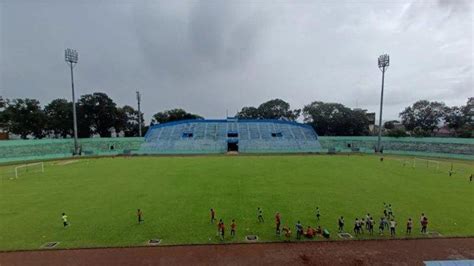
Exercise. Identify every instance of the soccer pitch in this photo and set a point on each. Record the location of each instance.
(101, 197)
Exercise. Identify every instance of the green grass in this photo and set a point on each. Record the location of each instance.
(101, 196)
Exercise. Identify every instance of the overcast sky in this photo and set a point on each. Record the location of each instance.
(211, 56)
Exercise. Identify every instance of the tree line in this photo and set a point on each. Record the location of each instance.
(98, 114)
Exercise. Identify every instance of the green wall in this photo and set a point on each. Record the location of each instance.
(22, 150)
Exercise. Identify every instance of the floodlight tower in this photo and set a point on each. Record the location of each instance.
(384, 62)
(70, 55)
(139, 97)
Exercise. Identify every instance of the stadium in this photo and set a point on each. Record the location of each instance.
(179, 170)
(231, 135)
(236, 133)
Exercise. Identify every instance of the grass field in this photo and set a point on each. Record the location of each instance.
(100, 197)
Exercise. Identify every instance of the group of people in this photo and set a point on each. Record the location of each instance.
(365, 224)
(310, 232)
(387, 221)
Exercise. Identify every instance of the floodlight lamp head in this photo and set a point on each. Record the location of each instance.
(384, 61)
(70, 55)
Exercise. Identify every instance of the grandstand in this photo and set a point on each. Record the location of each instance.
(43, 149)
(230, 135)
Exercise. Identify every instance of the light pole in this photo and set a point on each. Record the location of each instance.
(70, 55)
(139, 97)
(384, 62)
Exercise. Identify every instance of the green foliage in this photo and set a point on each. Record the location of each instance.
(97, 114)
(423, 114)
(128, 122)
(248, 113)
(420, 132)
(101, 196)
(390, 124)
(273, 109)
(335, 119)
(59, 117)
(173, 115)
(466, 131)
(24, 117)
(397, 133)
(3, 117)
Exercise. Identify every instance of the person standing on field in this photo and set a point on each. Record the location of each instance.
(385, 222)
(424, 225)
(340, 223)
(213, 215)
(222, 231)
(287, 232)
(381, 225)
(233, 225)
(260, 215)
(64, 217)
(139, 215)
(318, 214)
(409, 226)
(421, 219)
(371, 225)
(392, 227)
(219, 227)
(299, 230)
(367, 219)
(277, 222)
(357, 226)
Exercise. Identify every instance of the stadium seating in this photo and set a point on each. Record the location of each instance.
(15, 150)
(212, 136)
(436, 147)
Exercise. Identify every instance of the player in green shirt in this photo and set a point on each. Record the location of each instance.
(64, 217)
(260, 215)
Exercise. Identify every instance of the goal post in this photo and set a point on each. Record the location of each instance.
(29, 168)
(425, 163)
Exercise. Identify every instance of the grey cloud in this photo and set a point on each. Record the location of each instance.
(213, 56)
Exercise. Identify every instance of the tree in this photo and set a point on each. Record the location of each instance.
(25, 117)
(173, 115)
(390, 124)
(277, 109)
(336, 119)
(97, 114)
(424, 115)
(3, 105)
(462, 119)
(397, 132)
(420, 132)
(359, 123)
(128, 122)
(59, 117)
(273, 109)
(248, 113)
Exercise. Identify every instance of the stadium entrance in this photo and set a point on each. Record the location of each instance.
(233, 146)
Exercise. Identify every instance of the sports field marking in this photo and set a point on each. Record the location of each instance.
(50, 245)
(251, 238)
(154, 242)
(345, 235)
(67, 162)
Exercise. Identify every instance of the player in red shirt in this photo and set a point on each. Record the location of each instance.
(233, 225)
(222, 230)
(277, 222)
(213, 215)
